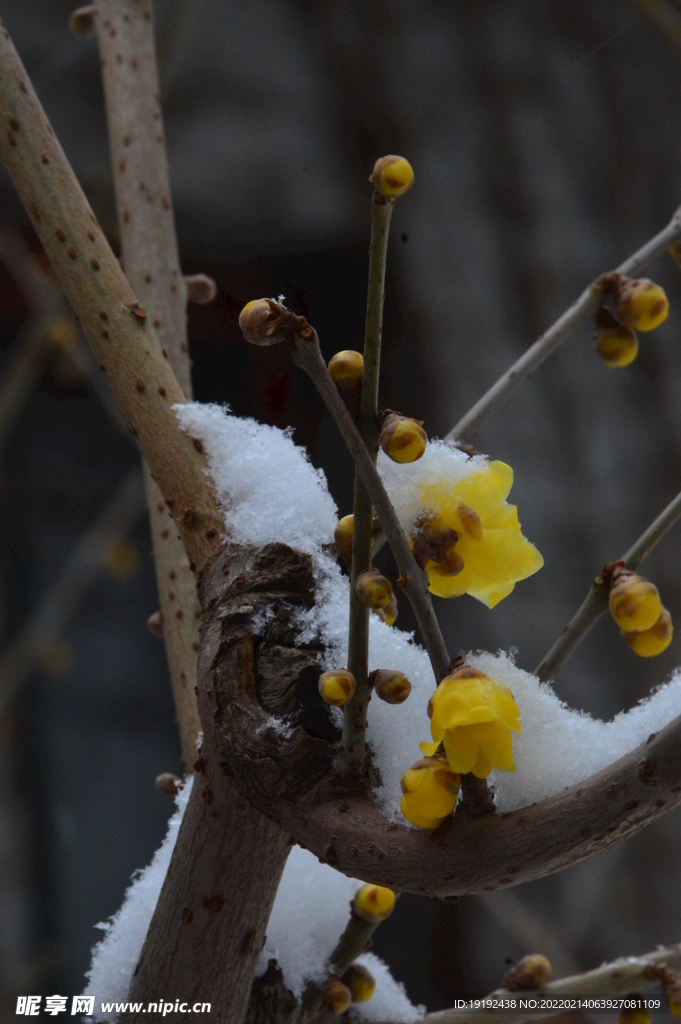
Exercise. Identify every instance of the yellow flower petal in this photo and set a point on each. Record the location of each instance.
(412, 815)
(428, 749)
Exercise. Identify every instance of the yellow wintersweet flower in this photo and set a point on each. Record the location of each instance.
(473, 716)
(429, 792)
(469, 537)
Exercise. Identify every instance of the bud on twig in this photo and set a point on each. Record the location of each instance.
(337, 687)
(374, 902)
(530, 972)
(392, 176)
(155, 624)
(641, 304)
(391, 686)
(168, 783)
(336, 996)
(82, 20)
(388, 613)
(648, 643)
(201, 288)
(346, 368)
(616, 344)
(373, 589)
(634, 601)
(342, 536)
(360, 982)
(402, 439)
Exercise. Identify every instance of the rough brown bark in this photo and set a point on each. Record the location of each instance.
(125, 35)
(112, 318)
(285, 774)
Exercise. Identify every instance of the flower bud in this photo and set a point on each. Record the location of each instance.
(650, 642)
(402, 439)
(168, 782)
(342, 536)
(337, 687)
(634, 602)
(346, 368)
(337, 996)
(392, 176)
(634, 1014)
(429, 792)
(360, 982)
(617, 346)
(642, 304)
(373, 589)
(62, 332)
(260, 322)
(389, 612)
(391, 686)
(530, 972)
(373, 902)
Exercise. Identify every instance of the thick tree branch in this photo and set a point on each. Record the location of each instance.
(125, 35)
(595, 604)
(620, 977)
(288, 778)
(113, 320)
(575, 317)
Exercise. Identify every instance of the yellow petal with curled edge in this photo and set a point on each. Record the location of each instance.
(479, 749)
(428, 749)
(468, 701)
(493, 595)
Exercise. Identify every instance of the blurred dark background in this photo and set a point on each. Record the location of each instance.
(546, 143)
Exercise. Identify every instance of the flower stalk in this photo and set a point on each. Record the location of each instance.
(595, 603)
(353, 743)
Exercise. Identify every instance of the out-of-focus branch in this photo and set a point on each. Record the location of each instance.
(61, 599)
(513, 916)
(595, 603)
(665, 15)
(125, 35)
(575, 317)
(619, 977)
(111, 316)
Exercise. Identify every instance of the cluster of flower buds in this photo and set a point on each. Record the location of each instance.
(337, 687)
(402, 439)
(429, 792)
(635, 605)
(360, 982)
(392, 176)
(390, 685)
(640, 304)
(531, 972)
(347, 369)
(373, 589)
(373, 903)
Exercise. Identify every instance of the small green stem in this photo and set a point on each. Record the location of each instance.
(596, 601)
(353, 942)
(353, 745)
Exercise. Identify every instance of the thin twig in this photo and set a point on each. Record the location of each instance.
(412, 578)
(125, 35)
(353, 746)
(617, 978)
(576, 316)
(61, 599)
(596, 601)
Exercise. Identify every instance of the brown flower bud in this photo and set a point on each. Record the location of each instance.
(641, 304)
(168, 783)
(530, 972)
(155, 624)
(392, 176)
(260, 322)
(436, 545)
(201, 288)
(373, 589)
(648, 643)
(337, 996)
(337, 687)
(360, 982)
(391, 686)
(402, 439)
(634, 602)
(346, 368)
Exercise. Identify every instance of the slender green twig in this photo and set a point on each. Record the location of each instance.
(353, 746)
(576, 316)
(596, 601)
(412, 578)
(352, 943)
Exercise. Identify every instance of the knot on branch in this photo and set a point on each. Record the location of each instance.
(258, 683)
